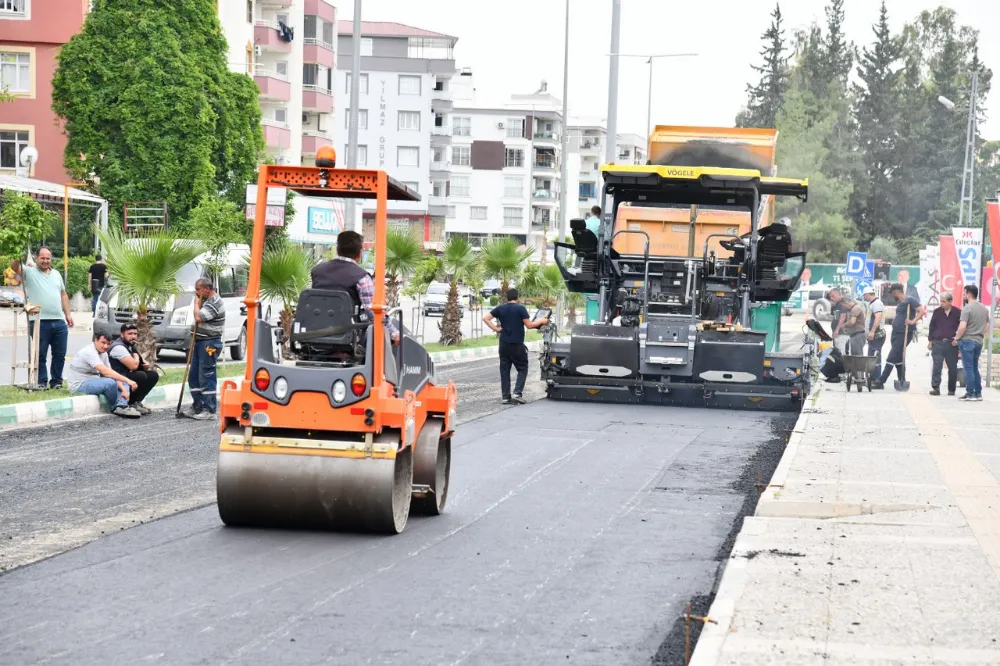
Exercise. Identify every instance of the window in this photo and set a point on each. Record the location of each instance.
(461, 126)
(362, 155)
(227, 283)
(515, 128)
(11, 145)
(437, 155)
(281, 116)
(413, 186)
(281, 68)
(409, 120)
(450, 212)
(407, 156)
(477, 213)
(364, 84)
(362, 119)
(367, 46)
(461, 155)
(328, 34)
(249, 10)
(512, 187)
(317, 76)
(512, 217)
(438, 189)
(15, 71)
(459, 186)
(409, 85)
(514, 157)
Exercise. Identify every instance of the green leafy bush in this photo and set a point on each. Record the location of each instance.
(76, 279)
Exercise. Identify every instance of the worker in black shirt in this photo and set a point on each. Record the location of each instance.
(513, 318)
(96, 277)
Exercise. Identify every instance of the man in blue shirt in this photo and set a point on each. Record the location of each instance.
(513, 318)
(594, 221)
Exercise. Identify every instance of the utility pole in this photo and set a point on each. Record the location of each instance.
(354, 221)
(563, 170)
(612, 138)
(969, 165)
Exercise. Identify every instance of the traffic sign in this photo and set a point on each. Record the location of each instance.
(856, 264)
(869, 270)
(860, 287)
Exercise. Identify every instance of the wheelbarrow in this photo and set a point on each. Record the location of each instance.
(859, 371)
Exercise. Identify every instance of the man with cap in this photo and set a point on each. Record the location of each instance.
(513, 318)
(875, 327)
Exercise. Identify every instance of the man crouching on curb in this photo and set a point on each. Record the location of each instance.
(126, 360)
(90, 373)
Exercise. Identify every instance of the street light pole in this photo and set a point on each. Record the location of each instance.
(354, 222)
(648, 57)
(563, 171)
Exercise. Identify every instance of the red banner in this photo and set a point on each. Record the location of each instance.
(993, 218)
(951, 271)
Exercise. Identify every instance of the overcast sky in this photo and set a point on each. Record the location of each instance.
(513, 45)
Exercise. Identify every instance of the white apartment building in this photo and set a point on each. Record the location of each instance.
(587, 143)
(288, 47)
(504, 168)
(404, 118)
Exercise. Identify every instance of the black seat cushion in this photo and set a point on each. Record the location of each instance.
(320, 310)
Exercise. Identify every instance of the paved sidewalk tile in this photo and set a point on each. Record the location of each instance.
(876, 542)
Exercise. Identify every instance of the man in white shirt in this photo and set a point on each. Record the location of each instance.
(875, 327)
(90, 373)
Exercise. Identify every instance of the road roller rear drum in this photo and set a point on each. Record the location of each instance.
(431, 469)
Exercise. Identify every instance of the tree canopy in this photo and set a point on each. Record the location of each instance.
(151, 107)
(883, 156)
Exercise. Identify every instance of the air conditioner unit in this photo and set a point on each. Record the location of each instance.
(257, 51)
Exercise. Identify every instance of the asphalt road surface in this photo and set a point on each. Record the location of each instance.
(574, 534)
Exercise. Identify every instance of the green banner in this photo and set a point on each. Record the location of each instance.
(833, 274)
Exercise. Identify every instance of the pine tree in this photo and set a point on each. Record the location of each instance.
(766, 97)
(838, 53)
(877, 116)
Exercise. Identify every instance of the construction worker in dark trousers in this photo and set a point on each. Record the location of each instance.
(210, 315)
(513, 318)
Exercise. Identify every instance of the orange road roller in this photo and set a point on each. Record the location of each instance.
(350, 433)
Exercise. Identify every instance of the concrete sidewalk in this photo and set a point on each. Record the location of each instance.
(877, 540)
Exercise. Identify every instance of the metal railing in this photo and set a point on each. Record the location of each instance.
(315, 88)
(546, 164)
(271, 122)
(547, 136)
(312, 41)
(261, 70)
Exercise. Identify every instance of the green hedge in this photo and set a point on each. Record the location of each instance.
(77, 278)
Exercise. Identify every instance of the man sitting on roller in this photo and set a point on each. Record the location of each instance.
(344, 273)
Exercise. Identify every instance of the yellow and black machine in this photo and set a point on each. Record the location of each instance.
(353, 434)
(685, 335)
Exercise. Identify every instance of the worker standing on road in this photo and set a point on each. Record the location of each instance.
(513, 318)
(943, 326)
(908, 313)
(854, 326)
(875, 327)
(838, 314)
(969, 339)
(210, 315)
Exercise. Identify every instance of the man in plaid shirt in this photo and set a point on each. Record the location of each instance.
(344, 273)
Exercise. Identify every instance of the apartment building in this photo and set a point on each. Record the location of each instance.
(404, 118)
(31, 34)
(505, 163)
(587, 143)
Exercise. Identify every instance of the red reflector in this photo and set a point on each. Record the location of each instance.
(260, 405)
(357, 411)
(262, 379)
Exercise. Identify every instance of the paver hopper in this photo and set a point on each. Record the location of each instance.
(352, 433)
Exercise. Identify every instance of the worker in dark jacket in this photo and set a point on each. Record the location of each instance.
(944, 325)
(344, 273)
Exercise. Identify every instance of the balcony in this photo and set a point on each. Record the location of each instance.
(440, 136)
(317, 99)
(273, 86)
(265, 35)
(590, 147)
(275, 4)
(546, 164)
(548, 138)
(322, 9)
(276, 135)
(312, 140)
(441, 95)
(319, 52)
(440, 167)
(544, 197)
(13, 9)
(437, 200)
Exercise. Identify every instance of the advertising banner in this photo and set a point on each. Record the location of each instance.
(930, 268)
(969, 249)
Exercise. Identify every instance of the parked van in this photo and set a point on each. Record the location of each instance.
(173, 321)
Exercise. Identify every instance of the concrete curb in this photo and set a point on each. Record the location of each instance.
(163, 397)
(708, 649)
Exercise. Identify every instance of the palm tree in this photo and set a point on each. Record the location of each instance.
(403, 254)
(145, 269)
(502, 259)
(285, 270)
(574, 300)
(543, 282)
(458, 261)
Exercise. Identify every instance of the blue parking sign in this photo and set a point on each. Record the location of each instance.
(856, 264)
